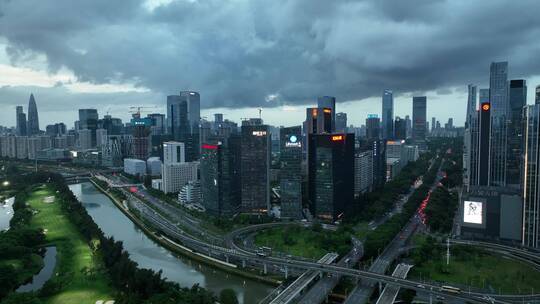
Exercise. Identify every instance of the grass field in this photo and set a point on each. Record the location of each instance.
(85, 280)
(481, 270)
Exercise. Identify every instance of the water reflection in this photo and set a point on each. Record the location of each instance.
(45, 273)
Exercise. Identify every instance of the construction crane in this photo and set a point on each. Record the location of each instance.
(136, 111)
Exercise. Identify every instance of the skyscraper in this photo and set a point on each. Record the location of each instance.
(33, 119)
(183, 118)
(291, 172)
(330, 103)
(408, 126)
(470, 137)
(341, 122)
(419, 118)
(517, 100)
(255, 168)
(433, 123)
(387, 115)
(500, 111)
(373, 127)
(318, 120)
(88, 120)
(400, 129)
(21, 121)
(537, 97)
(531, 178)
(330, 174)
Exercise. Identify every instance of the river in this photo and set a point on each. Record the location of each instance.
(148, 254)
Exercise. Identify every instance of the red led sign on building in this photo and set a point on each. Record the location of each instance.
(210, 147)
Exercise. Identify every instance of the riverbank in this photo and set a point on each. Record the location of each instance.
(80, 275)
(181, 250)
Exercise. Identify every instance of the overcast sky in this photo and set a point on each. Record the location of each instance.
(275, 54)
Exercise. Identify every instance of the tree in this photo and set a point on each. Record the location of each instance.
(22, 298)
(408, 295)
(228, 296)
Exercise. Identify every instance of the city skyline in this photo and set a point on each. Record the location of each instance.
(76, 71)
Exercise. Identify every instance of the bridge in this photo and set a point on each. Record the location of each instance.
(390, 292)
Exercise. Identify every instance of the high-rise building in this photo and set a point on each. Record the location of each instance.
(484, 132)
(142, 145)
(318, 120)
(291, 172)
(470, 137)
(85, 139)
(176, 176)
(363, 172)
(517, 100)
(158, 124)
(419, 118)
(33, 119)
(373, 127)
(408, 125)
(57, 129)
(21, 122)
(255, 168)
(433, 124)
(88, 120)
(531, 178)
(387, 115)
(114, 126)
(400, 129)
(101, 137)
(537, 97)
(330, 103)
(183, 118)
(330, 174)
(341, 122)
(500, 111)
(220, 175)
(173, 153)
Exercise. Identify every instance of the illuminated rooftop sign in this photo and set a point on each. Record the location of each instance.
(337, 137)
(486, 106)
(209, 147)
(327, 111)
(258, 133)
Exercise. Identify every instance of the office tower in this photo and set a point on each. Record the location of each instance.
(140, 131)
(531, 178)
(173, 152)
(408, 126)
(330, 174)
(517, 100)
(484, 132)
(363, 172)
(387, 115)
(419, 118)
(114, 126)
(470, 137)
(56, 130)
(318, 120)
(176, 176)
(537, 97)
(328, 102)
(433, 122)
(373, 127)
(255, 168)
(21, 121)
(291, 172)
(378, 148)
(157, 125)
(101, 137)
(21, 143)
(33, 119)
(500, 110)
(400, 129)
(85, 139)
(220, 175)
(88, 120)
(341, 122)
(218, 117)
(183, 117)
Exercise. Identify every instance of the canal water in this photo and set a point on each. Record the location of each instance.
(148, 254)
(49, 262)
(6, 213)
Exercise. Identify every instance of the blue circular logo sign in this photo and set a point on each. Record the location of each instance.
(293, 139)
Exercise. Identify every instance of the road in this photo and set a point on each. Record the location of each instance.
(390, 292)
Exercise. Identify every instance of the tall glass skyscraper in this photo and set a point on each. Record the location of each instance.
(291, 172)
(21, 121)
(500, 112)
(531, 177)
(330, 103)
(387, 114)
(183, 118)
(33, 119)
(517, 100)
(419, 118)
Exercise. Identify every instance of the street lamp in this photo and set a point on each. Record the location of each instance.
(5, 183)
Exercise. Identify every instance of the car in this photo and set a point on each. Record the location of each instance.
(420, 286)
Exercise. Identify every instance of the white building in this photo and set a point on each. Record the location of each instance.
(157, 184)
(153, 166)
(34, 146)
(175, 176)
(173, 153)
(190, 193)
(363, 172)
(135, 167)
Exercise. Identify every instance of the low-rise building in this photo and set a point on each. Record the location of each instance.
(135, 167)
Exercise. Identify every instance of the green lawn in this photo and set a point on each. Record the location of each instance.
(303, 242)
(85, 279)
(482, 270)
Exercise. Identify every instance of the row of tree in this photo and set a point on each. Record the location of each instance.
(133, 284)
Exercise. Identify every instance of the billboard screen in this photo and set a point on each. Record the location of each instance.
(472, 212)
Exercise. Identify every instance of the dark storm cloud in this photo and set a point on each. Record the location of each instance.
(238, 53)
